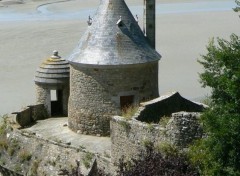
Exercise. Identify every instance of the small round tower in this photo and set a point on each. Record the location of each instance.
(112, 67)
(52, 85)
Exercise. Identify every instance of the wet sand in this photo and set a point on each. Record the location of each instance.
(181, 38)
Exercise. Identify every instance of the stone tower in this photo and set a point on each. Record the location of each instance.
(149, 21)
(112, 67)
(52, 84)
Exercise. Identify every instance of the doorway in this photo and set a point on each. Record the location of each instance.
(56, 102)
(126, 101)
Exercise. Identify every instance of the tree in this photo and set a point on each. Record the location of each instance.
(219, 153)
(237, 9)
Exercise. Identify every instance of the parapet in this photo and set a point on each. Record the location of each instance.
(169, 119)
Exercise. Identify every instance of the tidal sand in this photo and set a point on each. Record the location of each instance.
(30, 32)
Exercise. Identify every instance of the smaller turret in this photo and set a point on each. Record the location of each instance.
(52, 84)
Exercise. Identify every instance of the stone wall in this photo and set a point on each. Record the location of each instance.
(65, 99)
(43, 96)
(183, 128)
(129, 137)
(95, 94)
(29, 114)
(28, 154)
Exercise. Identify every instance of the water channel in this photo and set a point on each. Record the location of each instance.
(43, 12)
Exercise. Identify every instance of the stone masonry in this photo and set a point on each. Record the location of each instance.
(95, 94)
(169, 119)
(44, 96)
(129, 137)
(112, 67)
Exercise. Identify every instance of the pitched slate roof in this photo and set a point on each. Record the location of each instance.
(113, 38)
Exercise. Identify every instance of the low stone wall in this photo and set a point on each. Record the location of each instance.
(183, 128)
(27, 154)
(29, 114)
(129, 137)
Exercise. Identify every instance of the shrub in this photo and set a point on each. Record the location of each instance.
(153, 163)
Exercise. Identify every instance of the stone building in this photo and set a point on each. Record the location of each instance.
(52, 85)
(115, 65)
(112, 67)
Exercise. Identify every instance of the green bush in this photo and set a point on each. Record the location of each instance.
(154, 163)
(219, 153)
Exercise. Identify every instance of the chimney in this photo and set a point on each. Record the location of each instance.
(149, 21)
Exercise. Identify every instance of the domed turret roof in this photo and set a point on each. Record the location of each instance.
(54, 70)
(113, 38)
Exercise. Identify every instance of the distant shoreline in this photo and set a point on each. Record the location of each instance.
(50, 10)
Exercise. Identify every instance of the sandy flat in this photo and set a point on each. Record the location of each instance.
(24, 44)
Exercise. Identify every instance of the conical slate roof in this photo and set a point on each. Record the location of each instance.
(113, 38)
(54, 70)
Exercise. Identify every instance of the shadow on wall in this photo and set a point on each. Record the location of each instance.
(166, 105)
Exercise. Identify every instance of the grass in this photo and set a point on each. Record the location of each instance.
(3, 143)
(17, 168)
(167, 149)
(3, 126)
(164, 121)
(146, 143)
(11, 151)
(87, 159)
(34, 167)
(14, 146)
(24, 155)
(81, 147)
(129, 111)
(150, 127)
(2, 161)
(125, 125)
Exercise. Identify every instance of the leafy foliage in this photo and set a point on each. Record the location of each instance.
(154, 163)
(219, 153)
(237, 9)
(222, 73)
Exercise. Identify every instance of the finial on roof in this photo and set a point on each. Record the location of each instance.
(55, 55)
(137, 18)
(119, 22)
(89, 20)
(144, 31)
